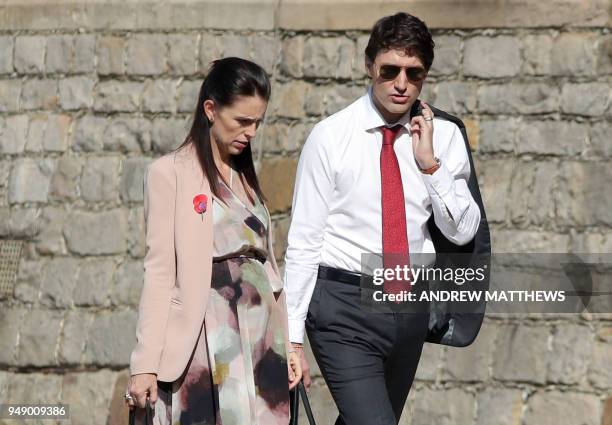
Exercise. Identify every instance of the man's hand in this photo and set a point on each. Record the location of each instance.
(299, 349)
(421, 127)
(295, 369)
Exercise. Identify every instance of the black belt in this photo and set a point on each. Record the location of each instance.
(340, 275)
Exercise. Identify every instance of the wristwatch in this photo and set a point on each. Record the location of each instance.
(431, 169)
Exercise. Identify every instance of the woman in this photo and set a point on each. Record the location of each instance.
(212, 341)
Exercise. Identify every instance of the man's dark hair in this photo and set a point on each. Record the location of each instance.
(401, 31)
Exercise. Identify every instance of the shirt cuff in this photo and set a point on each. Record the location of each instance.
(296, 330)
(441, 184)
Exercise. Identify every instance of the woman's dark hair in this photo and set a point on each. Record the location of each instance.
(227, 79)
(402, 32)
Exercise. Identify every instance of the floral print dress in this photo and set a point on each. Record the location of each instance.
(238, 372)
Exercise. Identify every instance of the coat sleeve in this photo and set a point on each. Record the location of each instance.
(159, 266)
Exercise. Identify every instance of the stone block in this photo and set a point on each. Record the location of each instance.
(146, 54)
(38, 337)
(552, 137)
(10, 92)
(581, 202)
(537, 54)
(30, 180)
(56, 133)
(118, 96)
(528, 241)
(159, 96)
(571, 348)
(187, 94)
(586, 99)
(39, 94)
(13, 132)
(503, 405)
(457, 409)
(494, 179)
(492, 57)
(471, 363)
(556, 407)
(168, 134)
(266, 52)
(359, 65)
(600, 139)
(65, 179)
(288, 99)
(6, 54)
(24, 223)
(132, 178)
(604, 54)
(30, 54)
(314, 100)
(530, 98)
(94, 281)
(127, 134)
(10, 320)
(599, 373)
(58, 280)
(236, 45)
(87, 232)
(76, 93)
(512, 361)
(136, 240)
(292, 56)
(447, 54)
(129, 280)
(84, 53)
(498, 135)
(111, 338)
(34, 388)
(455, 97)
(183, 54)
(50, 240)
(27, 286)
(535, 204)
(100, 179)
(60, 50)
(89, 395)
(273, 171)
(73, 337)
(573, 54)
(210, 50)
(36, 132)
(328, 57)
(111, 55)
(339, 97)
(275, 136)
(87, 135)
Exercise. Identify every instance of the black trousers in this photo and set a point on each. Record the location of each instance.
(368, 359)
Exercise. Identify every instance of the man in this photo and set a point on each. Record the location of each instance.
(368, 180)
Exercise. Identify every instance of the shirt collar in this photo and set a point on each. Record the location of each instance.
(373, 119)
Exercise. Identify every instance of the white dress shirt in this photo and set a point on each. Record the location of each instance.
(337, 211)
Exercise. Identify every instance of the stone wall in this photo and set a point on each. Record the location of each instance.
(91, 92)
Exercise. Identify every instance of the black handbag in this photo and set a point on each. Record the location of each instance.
(294, 404)
(148, 414)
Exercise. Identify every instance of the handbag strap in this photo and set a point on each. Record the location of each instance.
(148, 414)
(294, 400)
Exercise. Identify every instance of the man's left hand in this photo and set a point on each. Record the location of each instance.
(421, 127)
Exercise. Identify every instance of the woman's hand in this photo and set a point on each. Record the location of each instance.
(295, 369)
(141, 386)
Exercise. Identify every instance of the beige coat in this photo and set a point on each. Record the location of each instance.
(177, 265)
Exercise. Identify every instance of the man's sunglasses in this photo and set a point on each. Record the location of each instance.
(413, 73)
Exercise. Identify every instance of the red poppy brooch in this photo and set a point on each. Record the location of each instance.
(199, 204)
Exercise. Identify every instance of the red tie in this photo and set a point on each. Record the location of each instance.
(394, 239)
